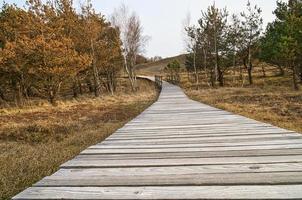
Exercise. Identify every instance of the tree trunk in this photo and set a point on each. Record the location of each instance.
(216, 60)
(221, 78)
(95, 73)
(130, 73)
(205, 63)
(295, 83)
(110, 80)
(234, 68)
(80, 86)
(52, 98)
(240, 73)
(75, 89)
(244, 60)
(115, 83)
(17, 93)
(2, 96)
(195, 70)
(23, 88)
(249, 71)
(89, 84)
(53, 92)
(218, 72)
(212, 78)
(250, 66)
(300, 72)
(132, 79)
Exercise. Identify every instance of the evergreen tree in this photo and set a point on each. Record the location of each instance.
(251, 29)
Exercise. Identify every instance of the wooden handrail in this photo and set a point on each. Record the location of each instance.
(159, 80)
(174, 79)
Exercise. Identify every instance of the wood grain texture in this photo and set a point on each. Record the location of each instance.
(165, 193)
(182, 149)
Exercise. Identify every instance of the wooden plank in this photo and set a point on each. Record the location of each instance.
(202, 135)
(208, 154)
(201, 140)
(178, 141)
(191, 124)
(164, 127)
(199, 133)
(182, 170)
(90, 163)
(124, 132)
(263, 192)
(236, 174)
(138, 145)
(203, 149)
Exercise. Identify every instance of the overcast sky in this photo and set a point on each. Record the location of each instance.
(162, 19)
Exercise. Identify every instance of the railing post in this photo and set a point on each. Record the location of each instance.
(158, 81)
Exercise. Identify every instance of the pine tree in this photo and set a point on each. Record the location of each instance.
(282, 43)
(213, 25)
(251, 29)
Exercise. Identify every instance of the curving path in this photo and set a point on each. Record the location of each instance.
(182, 149)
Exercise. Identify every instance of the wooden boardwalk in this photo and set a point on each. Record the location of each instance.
(182, 149)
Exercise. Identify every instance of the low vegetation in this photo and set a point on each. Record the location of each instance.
(157, 67)
(35, 140)
(270, 99)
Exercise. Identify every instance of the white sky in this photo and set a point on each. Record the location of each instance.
(162, 19)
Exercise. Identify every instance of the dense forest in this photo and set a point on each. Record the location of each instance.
(47, 46)
(221, 42)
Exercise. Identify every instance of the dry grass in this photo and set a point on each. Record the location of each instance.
(156, 68)
(271, 99)
(34, 141)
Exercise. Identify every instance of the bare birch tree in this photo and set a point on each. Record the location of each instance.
(190, 37)
(192, 46)
(133, 40)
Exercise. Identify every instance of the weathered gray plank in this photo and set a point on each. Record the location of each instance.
(178, 170)
(166, 150)
(199, 134)
(207, 154)
(83, 162)
(276, 192)
(240, 174)
(193, 145)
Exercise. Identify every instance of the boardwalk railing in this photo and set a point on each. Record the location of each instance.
(159, 81)
(174, 79)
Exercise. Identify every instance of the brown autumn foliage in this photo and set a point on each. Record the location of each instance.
(49, 45)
